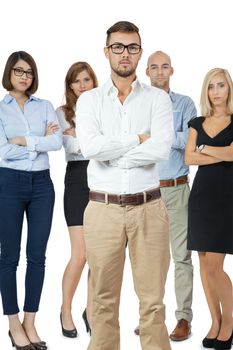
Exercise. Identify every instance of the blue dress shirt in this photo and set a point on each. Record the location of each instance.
(30, 123)
(183, 110)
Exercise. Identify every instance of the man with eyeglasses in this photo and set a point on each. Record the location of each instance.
(125, 128)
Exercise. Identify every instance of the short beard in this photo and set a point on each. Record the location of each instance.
(123, 73)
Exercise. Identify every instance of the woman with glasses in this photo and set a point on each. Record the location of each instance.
(28, 130)
(79, 78)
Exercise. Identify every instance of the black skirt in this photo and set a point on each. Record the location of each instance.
(76, 194)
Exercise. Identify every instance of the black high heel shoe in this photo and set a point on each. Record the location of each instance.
(68, 333)
(208, 342)
(223, 344)
(84, 316)
(40, 345)
(26, 347)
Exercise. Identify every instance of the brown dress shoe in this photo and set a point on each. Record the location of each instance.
(136, 331)
(181, 331)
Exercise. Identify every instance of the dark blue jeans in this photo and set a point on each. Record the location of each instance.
(32, 193)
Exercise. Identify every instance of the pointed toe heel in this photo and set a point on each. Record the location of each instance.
(26, 347)
(84, 316)
(40, 345)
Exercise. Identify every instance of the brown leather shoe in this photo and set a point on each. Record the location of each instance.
(136, 331)
(181, 331)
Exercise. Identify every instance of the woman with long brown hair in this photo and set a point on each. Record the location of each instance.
(80, 78)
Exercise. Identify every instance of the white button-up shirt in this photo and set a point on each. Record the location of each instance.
(108, 133)
(70, 143)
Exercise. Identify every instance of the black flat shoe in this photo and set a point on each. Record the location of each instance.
(223, 344)
(84, 316)
(208, 342)
(40, 345)
(26, 347)
(68, 333)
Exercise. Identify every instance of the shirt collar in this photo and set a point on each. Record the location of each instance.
(110, 88)
(8, 98)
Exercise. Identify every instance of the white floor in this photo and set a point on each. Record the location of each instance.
(48, 323)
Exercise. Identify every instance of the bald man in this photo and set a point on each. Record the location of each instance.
(173, 175)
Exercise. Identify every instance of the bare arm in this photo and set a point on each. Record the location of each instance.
(223, 153)
(192, 156)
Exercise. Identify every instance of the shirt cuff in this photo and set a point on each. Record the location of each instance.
(31, 143)
(131, 140)
(77, 149)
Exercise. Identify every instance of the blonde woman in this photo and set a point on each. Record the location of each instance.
(80, 78)
(210, 223)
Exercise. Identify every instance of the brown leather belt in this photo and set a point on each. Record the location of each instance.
(125, 199)
(174, 182)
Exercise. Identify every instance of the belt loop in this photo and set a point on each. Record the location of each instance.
(175, 182)
(144, 197)
(106, 198)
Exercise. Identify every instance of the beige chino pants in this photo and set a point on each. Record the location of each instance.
(176, 202)
(108, 228)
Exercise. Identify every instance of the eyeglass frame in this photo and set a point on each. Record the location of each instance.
(26, 72)
(125, 47)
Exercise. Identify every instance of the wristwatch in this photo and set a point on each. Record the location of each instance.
(200, 148)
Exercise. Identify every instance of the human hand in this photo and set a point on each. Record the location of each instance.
(70, 132)
(51, 128)
(18, 140)
(143, 137)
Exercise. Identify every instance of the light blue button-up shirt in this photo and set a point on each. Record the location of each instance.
(183, 110)
(30, 123)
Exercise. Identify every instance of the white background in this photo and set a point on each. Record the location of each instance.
(197, 36)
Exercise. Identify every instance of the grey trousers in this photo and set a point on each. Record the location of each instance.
(176, 202)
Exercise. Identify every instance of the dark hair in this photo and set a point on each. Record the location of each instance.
(70, 97)
(123, 27)
(12, 60)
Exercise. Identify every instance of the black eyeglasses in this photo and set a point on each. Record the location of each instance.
(119, 48)
(19, 72)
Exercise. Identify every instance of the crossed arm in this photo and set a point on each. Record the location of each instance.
(125, 151)
(21, 140)
(209, 154)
